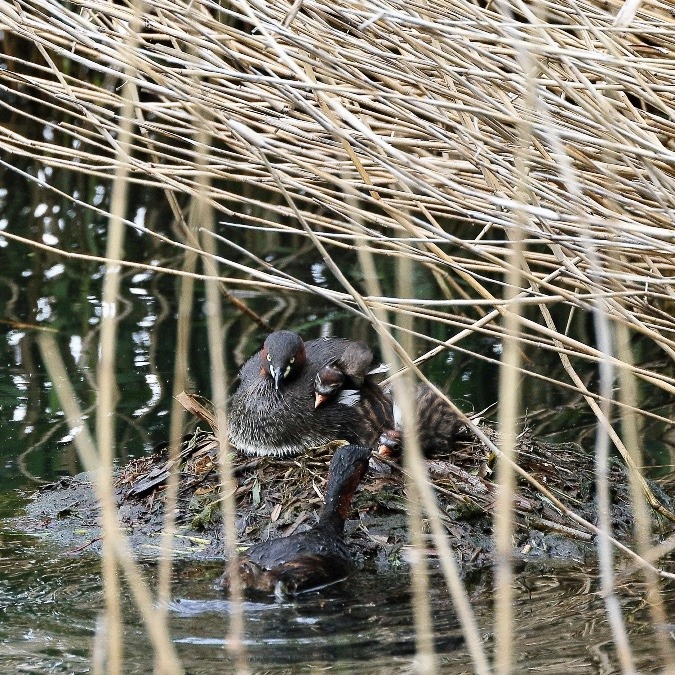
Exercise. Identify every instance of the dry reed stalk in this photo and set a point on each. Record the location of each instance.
(605, 553)
(204, 216)
(422, 487)
(643, 526)
(235, 631)
(426, 660)
(106, 379)
(509, 412)
(86, 449)
(235, 634)
(176, 430)
(510, 390)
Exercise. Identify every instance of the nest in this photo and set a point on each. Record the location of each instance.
(275, 497)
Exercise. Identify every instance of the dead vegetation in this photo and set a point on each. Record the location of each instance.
(517, 155)
(276, 496)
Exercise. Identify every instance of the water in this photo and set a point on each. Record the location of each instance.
(50, 606)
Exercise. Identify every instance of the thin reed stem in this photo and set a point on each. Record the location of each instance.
(84, 443)
(204, 215)
(107, 389)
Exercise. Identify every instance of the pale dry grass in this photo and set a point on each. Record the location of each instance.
(522, 153)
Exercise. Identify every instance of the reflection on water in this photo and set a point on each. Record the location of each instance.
(49, 606)
(347, 624)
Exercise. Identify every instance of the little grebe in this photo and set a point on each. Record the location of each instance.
(437, 426)
(346, 375)
(318, 556)
(273, 412)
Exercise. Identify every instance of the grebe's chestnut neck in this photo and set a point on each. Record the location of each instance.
(318, 556)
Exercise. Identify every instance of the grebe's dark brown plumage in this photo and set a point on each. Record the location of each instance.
(437, 427)
(348, 372)
(273, 410)
(351, 379)
(318, 556)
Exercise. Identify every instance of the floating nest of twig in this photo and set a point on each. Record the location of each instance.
(276, 497)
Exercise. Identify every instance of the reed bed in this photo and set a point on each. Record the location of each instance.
(521, 153)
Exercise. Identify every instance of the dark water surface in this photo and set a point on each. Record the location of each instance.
(50, 601)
